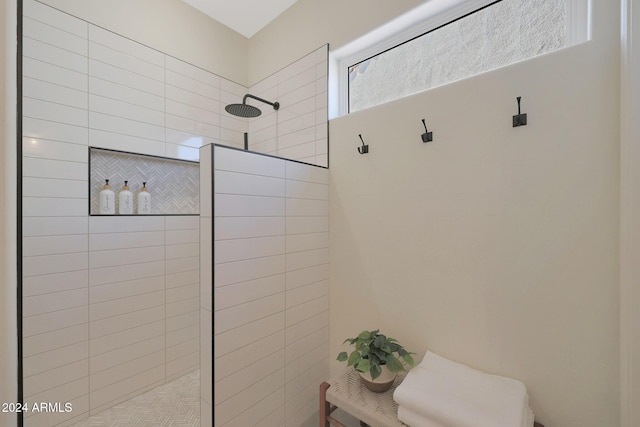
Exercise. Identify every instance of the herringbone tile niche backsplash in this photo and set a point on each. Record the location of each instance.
(174, 185)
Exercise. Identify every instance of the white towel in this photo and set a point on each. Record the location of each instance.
(528, 418)
(415, 419)
(454, 395)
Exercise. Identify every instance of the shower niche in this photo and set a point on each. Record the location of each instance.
(172, 184)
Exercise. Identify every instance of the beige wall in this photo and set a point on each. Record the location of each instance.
(172, 27)
(494, 246)
(8, 350)
(309, 24)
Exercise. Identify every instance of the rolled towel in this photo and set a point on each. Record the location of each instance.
(454, 395)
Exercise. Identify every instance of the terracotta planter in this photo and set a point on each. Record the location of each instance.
(380, 384)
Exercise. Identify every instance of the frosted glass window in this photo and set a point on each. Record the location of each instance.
(500, 34)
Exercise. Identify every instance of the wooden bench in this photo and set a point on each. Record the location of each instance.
(372, 409)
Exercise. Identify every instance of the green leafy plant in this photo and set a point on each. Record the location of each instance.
(372, 350)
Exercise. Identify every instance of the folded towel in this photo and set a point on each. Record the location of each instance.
(528, 418)
(415, 419)
(454, 395)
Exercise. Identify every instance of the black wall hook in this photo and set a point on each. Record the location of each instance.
(365, 148)
(519, 119)
(426, 136)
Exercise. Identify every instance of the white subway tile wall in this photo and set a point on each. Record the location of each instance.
(110, 315)
(270, 284)
(55, 242)
(86, 85)
(182, 242)
(298, 131)
(206, 283)
(144, 320)
(307, 303)
(192, 108)
(110, 303)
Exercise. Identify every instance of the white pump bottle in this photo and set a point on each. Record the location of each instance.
(125, 201)
(107, 200)
(144, 200)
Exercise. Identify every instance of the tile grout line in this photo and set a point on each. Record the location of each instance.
(165, 281)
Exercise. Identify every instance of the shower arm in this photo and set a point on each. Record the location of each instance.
(275, 105)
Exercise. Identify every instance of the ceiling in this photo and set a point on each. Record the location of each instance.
(246, 17)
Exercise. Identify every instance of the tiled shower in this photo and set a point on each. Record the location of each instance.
(299, 129)
(114, 305)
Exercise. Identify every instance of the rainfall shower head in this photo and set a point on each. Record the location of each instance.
(245, 110)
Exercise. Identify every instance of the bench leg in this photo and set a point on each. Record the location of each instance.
(324, 405)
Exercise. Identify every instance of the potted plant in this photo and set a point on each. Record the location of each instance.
(377, 358)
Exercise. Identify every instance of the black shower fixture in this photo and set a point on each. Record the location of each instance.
(246, 110)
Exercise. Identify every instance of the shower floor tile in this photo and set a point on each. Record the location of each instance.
(175, 404)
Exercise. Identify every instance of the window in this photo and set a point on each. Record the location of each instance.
(452, 43)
